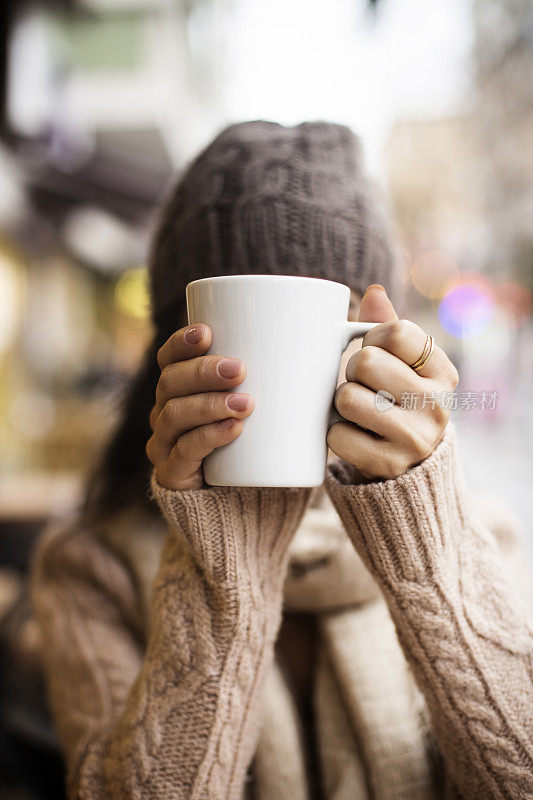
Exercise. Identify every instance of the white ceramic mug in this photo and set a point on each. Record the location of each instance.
(291, 332)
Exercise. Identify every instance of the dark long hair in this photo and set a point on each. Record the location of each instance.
(122, 473)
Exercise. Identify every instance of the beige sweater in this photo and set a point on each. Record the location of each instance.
(168, 691)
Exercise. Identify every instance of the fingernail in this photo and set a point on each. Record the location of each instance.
(226, 424)
(237, 402)
(377, 286)
(194, 335)
(229, 367)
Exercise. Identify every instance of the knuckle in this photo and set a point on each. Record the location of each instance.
(209, 405)
(343, 398)
(169, 414)
(201, 369)
(364, 360)
(165, 380)
(182, 447)
(396, 333)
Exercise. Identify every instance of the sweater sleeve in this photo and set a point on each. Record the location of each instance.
(462, 628)
(178, 718)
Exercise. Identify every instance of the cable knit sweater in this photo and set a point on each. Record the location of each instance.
(166, 702)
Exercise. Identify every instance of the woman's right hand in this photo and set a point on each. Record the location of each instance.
(195, 410)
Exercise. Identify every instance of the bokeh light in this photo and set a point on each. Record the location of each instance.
(9, 300)
(517, 300)
(432, 272)
(131, 293)
(467, 307)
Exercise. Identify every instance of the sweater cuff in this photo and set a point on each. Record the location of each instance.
(407, 528)
(234, 531)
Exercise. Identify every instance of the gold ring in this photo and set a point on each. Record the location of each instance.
(427, 352)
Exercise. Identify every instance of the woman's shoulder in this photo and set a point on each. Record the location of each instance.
(75, 562)
(76, 548)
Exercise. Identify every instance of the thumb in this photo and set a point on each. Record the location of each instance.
(376, 306)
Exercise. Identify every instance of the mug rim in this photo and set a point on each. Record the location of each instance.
(262, 276)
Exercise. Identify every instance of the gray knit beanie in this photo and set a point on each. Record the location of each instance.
(263, 198)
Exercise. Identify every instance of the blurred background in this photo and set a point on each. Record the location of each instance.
(104, 101)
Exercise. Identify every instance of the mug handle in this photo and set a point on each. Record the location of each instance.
(352, 330)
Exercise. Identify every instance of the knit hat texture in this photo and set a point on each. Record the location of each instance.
(263, 198)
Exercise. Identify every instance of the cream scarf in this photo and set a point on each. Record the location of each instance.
(370, 718)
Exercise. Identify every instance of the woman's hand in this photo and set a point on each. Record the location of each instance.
(195, 410)
(383, 444)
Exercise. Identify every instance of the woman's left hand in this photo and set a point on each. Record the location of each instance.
(383, 441)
